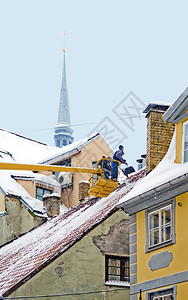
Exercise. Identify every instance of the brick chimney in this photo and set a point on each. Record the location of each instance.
(52, 204)
(83, 190)
(159, 134)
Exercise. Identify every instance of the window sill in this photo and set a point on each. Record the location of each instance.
(117, 283)
(158, 246)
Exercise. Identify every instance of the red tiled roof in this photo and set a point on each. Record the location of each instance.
(24, 257)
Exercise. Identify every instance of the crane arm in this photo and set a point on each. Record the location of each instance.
(50, 168)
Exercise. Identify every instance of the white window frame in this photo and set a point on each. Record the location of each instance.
(183, 139)
(161, 226)
(152, 210)
(162, 293)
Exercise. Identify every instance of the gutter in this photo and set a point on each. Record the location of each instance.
(169, 189)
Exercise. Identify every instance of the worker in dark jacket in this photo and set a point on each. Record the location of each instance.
(118, 155)
(106, 167)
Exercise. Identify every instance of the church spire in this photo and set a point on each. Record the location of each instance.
(63, 129)
(64, 111)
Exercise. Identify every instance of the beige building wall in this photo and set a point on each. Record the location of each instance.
(28, 186)
(91, 152)
(82, 267)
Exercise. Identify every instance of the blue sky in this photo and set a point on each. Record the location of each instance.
(114, 49)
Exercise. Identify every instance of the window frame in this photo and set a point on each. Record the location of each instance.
(153, 209)
(44, 191)
(123, 261)
(183, 140)
(162, 292)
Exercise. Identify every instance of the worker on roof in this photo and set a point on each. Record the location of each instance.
(106, 167)
(118, 155)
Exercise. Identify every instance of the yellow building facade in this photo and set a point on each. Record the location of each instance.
(158, 209)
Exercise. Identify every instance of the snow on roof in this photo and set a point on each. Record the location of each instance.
(166, 171)
(25, 150)
(24, 257)
(72, 149)
(10, 186)
(18, 148)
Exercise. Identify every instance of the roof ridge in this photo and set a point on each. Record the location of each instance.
(24, 137)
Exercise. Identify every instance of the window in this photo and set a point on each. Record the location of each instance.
(160, 226)
(163, 295)
(117, 270)
(185, 142)
(40, 191)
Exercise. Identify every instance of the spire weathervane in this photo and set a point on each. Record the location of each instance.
(64, 49)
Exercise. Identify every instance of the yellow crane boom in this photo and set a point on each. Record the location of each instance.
(99, 186)
(50, 168)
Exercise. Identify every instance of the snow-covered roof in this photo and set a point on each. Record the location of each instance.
(22, 149)
(15, 147)
(24, 257)
(166, 173)
(9, 186)
(25, 150)
(74, 148)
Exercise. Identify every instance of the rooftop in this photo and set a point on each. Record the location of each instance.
(24, 257)
(167, 173)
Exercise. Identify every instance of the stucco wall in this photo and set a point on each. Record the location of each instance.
(18, 220)
(2, 202)
(91, 152)
(82, 267)
(29, 186)
(178, 250)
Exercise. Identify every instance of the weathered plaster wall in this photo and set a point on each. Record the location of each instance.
(82, 267)
(91, 152)
(18, 220)
(2, 201)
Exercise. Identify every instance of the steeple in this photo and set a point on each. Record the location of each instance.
(63, 130)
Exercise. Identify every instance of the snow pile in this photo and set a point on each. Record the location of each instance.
(165, 171)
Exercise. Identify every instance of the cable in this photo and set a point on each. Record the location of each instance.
(84, 124)
(63, 295)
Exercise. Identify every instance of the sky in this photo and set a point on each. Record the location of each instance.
(120, 55)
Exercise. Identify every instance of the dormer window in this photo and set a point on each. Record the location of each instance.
(185, 142)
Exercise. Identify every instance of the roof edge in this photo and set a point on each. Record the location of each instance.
(149, 195)
(178, 107)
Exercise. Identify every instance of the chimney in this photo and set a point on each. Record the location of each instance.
(52, 204)
(83, 190)
(141, 162)
(159, 134)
